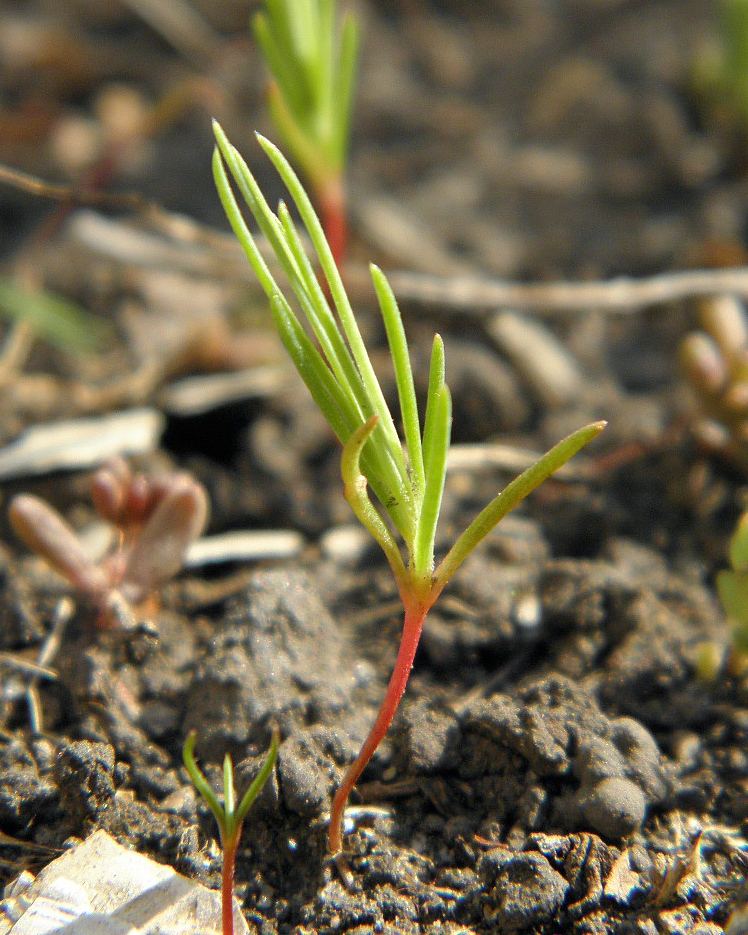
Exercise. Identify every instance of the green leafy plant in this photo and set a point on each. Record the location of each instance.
(312, 61)
(230, 818)
(408, 480)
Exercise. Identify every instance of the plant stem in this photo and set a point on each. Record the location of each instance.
(415, 614)
(332, 207)
(227, 884)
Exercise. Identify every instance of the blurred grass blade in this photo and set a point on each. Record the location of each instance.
(59, 321)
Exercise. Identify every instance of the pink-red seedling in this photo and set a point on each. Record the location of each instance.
(156, 519)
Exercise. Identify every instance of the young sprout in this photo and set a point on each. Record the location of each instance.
(720, 70)
(732, 588)
(230, 818)
(156, 519)
(341, 379)
(715, 361)
(312, 61)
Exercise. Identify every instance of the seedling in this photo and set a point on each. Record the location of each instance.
(732, 588)
(312, 60)
(721, 68)
(715, 360)
(342, 382)
(230, 819)
(156, 519)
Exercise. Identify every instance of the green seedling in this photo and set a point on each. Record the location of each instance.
(408, 480)
(156, 519)
(720, 73)
(715, 361)
(230, 818)
(312, 60)
(732, 588)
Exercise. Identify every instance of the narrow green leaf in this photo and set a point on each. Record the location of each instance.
(739, 545)
(333, 402)
(325, 64)
(60, 321)
(239, 226)
(336, 406)
(345, 312)
(201, 783)
(228, 791)
(406, 391)
(283, 66)
(337, 290)
(441, 420)
(357, 495)
(321, 319)
(345, 83)
(261, 778)
(732, 588)
(436, 382)
(352, 394)
(266, 219)
(513, 494)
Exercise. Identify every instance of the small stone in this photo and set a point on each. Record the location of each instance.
(304, 772)
(540, 357)
(685, 920)
(622, 881)
(615, 807)
(527, 892)
(346, 545)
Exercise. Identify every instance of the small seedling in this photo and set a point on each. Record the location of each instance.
(312, 60)
(732, 588)
(342, 381)
(230, 819)
(715, 360)
(720, 72)
(156, 519)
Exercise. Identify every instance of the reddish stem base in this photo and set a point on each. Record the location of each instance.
(227, 887)
(414, 617)
(334, 222)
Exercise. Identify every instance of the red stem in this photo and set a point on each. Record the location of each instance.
(227, 885)
(334, 222)
(415, 614)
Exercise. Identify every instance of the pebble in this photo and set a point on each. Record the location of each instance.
(346, 545)
(541, 359)
(243, 546)
(79, 444)
(527, 892)
(615, 807)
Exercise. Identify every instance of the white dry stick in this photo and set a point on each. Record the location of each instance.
(622, 294)
(48, 652)
(203, 251)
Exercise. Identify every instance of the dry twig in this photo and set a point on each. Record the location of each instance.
(622, 294)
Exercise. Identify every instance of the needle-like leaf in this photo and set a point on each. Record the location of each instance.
(513, 494)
